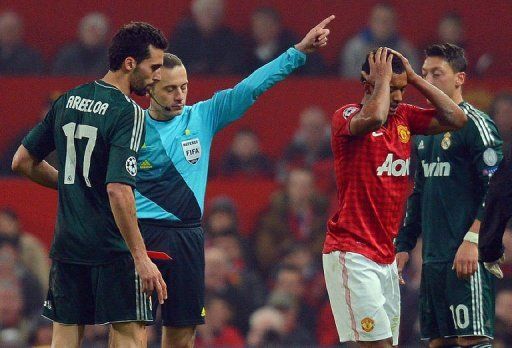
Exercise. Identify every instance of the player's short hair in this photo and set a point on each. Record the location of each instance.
(133, 40)
(171, 61)
(396, 64)
(453, 54)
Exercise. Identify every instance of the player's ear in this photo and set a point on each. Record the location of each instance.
(129, 63)
(460, 78)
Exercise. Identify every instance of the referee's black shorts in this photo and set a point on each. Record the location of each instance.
(183, 275)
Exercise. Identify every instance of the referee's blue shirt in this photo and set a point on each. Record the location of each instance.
(173, 160)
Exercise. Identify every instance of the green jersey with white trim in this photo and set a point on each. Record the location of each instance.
(96, 131)
(450, 184)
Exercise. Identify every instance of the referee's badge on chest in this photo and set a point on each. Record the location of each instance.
(191, 150)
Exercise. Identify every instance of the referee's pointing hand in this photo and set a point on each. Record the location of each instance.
(316, 37)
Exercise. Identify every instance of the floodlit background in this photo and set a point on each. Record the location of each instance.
(271, 184)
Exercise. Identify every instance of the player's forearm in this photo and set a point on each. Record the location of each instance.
(44, 174)
(122, 203)
(376, 108)
(472, 234)
(38, 171)
(449, 114)
(475, 226)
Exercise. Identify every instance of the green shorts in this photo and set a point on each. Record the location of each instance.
(455, 307)
(87, 295)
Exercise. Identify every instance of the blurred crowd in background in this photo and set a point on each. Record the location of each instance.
(207, 46)
(264, 286)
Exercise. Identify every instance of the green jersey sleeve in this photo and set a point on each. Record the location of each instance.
(411, 229)
(125, 139)
(40, 140)
(485, 149)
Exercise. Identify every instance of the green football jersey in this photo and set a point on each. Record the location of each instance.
(96, 131)
(450, 184)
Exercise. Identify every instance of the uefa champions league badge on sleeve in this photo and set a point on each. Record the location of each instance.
(191, 150)
(349, 111)
(131, 166)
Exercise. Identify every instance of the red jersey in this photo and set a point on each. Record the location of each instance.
(372, 180)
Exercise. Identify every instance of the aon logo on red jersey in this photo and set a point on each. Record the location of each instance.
(390, 167)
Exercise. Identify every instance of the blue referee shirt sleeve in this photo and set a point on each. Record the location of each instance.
(229, 105)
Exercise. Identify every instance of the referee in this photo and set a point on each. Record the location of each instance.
(172, 175)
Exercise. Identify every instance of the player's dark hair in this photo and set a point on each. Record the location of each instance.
(396, 64)
(133, 40)
(171, 61)
(453, 54)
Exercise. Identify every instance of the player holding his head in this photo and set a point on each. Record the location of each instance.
(173, 169)
(371, 146)
(100, 273)
(457, 292)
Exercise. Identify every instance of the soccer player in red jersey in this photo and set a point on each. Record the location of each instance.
(371, 146)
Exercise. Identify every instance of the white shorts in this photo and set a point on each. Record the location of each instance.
(364, 296)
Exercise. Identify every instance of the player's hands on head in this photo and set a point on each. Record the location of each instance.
(381, 70)
(401, 260)
(494, 267)
(465, 263)
(151, 279)
(316, 37)
(411, 74)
